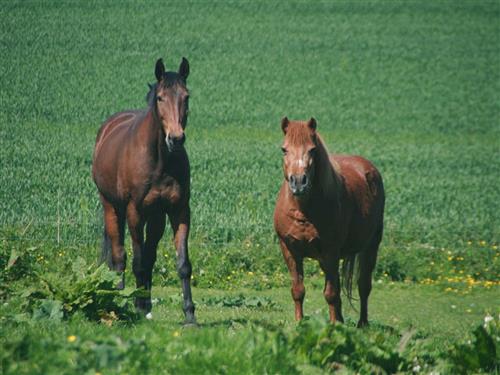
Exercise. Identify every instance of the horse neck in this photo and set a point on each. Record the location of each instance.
(151, 136)
(327, 181)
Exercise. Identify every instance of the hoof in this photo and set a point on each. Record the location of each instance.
(362, 324)
(121, 284)
(187, 324)
(143, 305)
(190, 321)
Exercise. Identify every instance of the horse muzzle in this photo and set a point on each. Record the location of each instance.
(175, 143)
(299, 184)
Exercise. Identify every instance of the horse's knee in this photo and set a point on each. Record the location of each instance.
(184, 269)
(298, 292)
(332, 296)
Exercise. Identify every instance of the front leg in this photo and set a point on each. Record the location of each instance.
(296, 269)
(140, 262)
(332, 288)
(180, 222)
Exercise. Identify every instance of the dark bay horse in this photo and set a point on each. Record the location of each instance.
(329, 208)
(141, 169)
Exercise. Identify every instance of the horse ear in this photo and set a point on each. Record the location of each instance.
(312, 124)
(159, 70)
(184, 68)
(284, 124)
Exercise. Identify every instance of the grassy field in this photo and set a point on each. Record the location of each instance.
(413, 86)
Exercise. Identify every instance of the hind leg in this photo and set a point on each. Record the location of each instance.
(367, 260)
(114, 229)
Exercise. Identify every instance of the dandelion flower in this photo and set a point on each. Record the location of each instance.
(71, 338)
(176, 334)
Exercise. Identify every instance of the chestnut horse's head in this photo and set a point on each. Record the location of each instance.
(299, 149)
(170, 98)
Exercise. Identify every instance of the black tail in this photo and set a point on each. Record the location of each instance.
(105, 256)
(106, 249)
(347, 274)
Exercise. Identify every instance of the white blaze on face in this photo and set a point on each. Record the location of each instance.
(300, 162)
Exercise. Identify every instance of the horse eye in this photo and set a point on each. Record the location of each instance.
(159, 98)
(312, 151)
(284, 150)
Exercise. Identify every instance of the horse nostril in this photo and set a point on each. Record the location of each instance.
(292, 180)
(182, 139)
(178, 141)
(304, 180)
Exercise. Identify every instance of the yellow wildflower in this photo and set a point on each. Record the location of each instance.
(176, 334)
(71, 338)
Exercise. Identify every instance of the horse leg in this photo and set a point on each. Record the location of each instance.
(180, 221)
(155, 227)
(114, 231)
(139, 264)
(332, 289)
(367, 260)
(296, 269)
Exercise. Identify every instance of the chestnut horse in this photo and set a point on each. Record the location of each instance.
(329, 208)
(141, 169)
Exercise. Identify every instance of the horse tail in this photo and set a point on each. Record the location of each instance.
(105, 256)
(347, 274)
(105, 249)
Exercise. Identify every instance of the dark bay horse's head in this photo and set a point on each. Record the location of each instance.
(299, 148)
(170, 98)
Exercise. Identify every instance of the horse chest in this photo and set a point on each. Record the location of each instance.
(303, 236)
(168, 192)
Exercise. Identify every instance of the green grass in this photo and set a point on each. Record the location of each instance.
(233, 336)
(413, 86)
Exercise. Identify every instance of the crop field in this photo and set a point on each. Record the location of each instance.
(413, 86)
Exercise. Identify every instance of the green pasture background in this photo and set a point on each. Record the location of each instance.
(414, 86)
